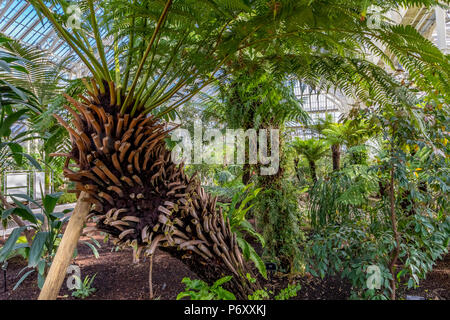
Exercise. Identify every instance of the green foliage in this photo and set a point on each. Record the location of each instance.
(312, 150)
(261, 294)
(240, 205)
(85, 289)
(285, 294)
(257, 100)
(236, 213)
(18, 250)
(12, 153)
(350, 248)
(352, 210)
(339, 196)
(200, 290)
(226, 181)
(422, 247)
(249, 253)
(48, 227)
(12, 68)
(350, 133)
(289, 292)
(67, 198)
(278, 217)
(13, 245)
(250, 47)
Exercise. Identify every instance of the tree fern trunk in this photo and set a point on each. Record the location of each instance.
(312, 168)
(336, 155)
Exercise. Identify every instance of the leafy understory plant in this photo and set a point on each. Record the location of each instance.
(47, 226)
(289, 292)
(261, 294)
(236, 213)
(86, 288)
(200, 290)
(285, 294)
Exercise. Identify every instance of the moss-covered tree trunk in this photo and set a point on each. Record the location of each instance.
(276, 208)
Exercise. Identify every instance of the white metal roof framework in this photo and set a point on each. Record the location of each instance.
(433, 24)
(19, 21)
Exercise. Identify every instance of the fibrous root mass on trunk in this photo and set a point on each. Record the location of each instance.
(141, 198)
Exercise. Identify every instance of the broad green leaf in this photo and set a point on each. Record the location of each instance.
(94, 249)
(22, 279)
(221, 281)
(41, 280)
(9, 121)
(9, 245)
(260, 265)
(17, 91)
(247, 226)
(36, 248)
(50, 201)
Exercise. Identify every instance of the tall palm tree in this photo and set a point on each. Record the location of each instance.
(163, 54)
(141, 198)
(313, 150)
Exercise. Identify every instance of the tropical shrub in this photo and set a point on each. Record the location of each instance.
(351, 248)
(200, 290)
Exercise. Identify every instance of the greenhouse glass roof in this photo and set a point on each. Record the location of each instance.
(19, 21)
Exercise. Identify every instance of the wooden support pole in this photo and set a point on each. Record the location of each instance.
(65, 251)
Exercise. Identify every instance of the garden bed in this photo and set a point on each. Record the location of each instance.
(118, 278)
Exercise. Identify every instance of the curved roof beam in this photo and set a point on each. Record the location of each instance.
(441, 28)
(426, 21)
